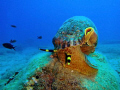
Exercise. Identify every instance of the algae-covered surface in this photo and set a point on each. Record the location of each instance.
(25, 62)
(37, 61)
(106, 57)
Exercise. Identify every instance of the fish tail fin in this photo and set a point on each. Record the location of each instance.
(47, 50)
(14, 47)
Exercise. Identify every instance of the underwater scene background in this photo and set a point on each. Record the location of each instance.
(32, 24)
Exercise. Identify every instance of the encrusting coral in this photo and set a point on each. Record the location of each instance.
(77, 62)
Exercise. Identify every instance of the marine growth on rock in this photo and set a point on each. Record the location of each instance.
(75, 39)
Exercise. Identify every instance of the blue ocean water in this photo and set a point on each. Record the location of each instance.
(42, 17)
(35, 18)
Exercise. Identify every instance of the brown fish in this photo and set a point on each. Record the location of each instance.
(13, 26)
(8, 45)
(39, 37)
(12, 41)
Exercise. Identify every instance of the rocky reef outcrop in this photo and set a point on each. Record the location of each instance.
(73, 64)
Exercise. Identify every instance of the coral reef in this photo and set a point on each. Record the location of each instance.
(73, 63)
(73, 31)
(56, 77)
(75, 38)
(71, 67)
